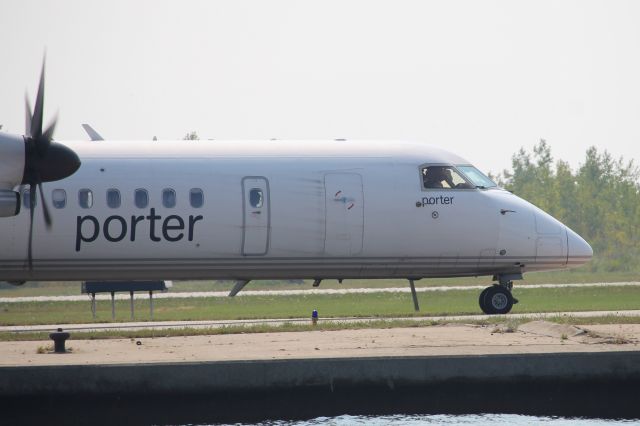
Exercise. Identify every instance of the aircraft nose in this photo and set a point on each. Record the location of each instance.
(579, 251)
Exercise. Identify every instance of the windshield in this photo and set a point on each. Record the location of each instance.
(446, 177)
(477, 177)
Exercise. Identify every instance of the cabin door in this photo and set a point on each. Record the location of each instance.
(344, 226)
(256, 222)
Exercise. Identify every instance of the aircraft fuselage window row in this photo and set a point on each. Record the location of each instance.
(114, 199)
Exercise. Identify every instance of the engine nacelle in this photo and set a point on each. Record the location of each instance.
(9, 203)
(12, 160)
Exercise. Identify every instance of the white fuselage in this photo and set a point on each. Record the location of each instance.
(274, 209)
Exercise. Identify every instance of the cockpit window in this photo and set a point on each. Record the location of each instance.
(479, 179)
(447, 177)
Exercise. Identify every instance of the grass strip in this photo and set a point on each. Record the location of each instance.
(580, 275)
(377, 305)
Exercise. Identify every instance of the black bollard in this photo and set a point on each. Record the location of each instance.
(59, 338)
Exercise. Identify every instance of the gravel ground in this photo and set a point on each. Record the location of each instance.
(536, 337)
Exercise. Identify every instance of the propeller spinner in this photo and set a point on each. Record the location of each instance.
(45, 160)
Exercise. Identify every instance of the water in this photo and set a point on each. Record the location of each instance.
(449, 420)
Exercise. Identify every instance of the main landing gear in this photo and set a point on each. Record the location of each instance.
(497, 299)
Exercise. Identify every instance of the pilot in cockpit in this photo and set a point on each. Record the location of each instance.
(444, 177)
(438, 177)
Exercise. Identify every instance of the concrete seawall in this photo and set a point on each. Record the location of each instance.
(602, 384)
(330, 374)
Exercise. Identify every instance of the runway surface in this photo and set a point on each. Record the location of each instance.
(305, 291)
(163, 325)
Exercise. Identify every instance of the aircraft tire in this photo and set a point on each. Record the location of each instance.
(498, 300)
(482, 303)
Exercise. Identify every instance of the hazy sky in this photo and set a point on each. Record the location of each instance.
(480, 78)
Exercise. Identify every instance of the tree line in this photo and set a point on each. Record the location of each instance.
(600, 200)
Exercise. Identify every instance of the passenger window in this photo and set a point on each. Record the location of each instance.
(168, 198)
(26, 201)
(443, 177)
(196, 198)
(113, 198)
(255, 198)
(141, 198)
(85, 198)
(59, 198)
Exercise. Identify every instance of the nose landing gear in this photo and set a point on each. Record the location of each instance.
(497, 299)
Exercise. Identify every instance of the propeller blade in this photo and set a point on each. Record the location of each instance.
(32, 202)
(27, 117)
(45, 208)
(45, 161)
(48, 133)
(36, 121)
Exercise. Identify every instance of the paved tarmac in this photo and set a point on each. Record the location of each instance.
(160, 325)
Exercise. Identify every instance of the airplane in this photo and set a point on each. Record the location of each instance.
(246, 210)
